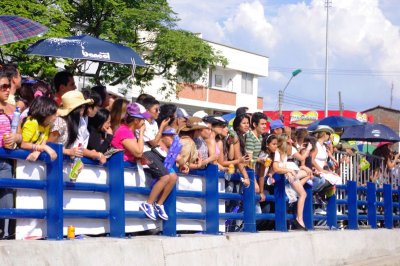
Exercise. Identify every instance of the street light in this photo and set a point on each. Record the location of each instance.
(294, 73)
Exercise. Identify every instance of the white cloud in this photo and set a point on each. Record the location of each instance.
(363, 35)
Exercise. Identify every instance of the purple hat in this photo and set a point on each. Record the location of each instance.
(276, 124)
(137, 110)
(169, 131)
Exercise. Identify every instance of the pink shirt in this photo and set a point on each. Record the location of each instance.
(5, 127)
(123, 133)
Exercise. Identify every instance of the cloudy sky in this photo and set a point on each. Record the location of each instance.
(363, 47)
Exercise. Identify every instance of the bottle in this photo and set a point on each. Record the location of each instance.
(76, 167)
(231, 169)
(15, 120)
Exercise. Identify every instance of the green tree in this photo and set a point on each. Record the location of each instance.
(147, 26)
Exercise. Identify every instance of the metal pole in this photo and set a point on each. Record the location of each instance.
(327, 5)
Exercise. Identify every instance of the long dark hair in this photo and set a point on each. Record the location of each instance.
(236, 125)
(41, 108)
(72, 120)
(99, 119)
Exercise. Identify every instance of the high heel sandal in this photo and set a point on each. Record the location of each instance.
(298, 226)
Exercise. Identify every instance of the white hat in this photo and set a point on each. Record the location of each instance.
(201, 114)
(114, 91)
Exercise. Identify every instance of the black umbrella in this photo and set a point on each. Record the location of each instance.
(370, 132)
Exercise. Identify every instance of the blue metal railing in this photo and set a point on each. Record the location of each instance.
(54, 187)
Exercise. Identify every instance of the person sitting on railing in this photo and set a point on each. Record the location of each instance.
(100, 131)
(69, 129)
(117, 113)
(293, 175)
(320, 155)
(7, 140)
(189, 154)
(36, 127)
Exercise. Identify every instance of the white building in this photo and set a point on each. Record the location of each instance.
(222, 90)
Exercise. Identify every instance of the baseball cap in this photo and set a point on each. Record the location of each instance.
(181, 113)
(276, 124)
(200, 114)
(137, 110)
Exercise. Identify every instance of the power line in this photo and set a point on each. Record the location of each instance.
(340, 72)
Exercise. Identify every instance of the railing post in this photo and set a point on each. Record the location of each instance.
(308, 213)
(352, 204)
(55, 218)
(331, 210)
(249, 206)
(169, 226)
(388, 205)
(371, 199)
(117, 195)
(212, 211)
(280, 203)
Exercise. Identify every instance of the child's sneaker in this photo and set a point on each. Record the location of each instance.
(148, 209)
(161, 211)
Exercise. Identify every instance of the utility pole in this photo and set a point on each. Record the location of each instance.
(340, 104)
(280, 102)
(328, 4)
(391, 96)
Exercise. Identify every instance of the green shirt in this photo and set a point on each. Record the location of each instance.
(253, 143)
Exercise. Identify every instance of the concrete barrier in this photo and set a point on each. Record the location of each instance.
(266, 248)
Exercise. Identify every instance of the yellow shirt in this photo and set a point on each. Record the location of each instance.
(33, 132)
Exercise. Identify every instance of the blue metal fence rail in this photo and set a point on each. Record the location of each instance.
(54, 213)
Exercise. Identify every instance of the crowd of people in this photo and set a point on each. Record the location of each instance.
(94, 123)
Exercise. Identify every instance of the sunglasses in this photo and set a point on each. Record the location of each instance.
(5, 87)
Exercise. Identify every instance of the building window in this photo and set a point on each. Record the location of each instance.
(218, 81)
(247, 83)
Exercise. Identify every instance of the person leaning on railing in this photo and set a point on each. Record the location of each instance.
(7, 140)
(70, 127)
(384, 151)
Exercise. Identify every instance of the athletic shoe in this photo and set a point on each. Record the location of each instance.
(161, 211)
(148, 209)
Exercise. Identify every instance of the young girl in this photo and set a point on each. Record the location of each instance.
(69, 130)
(268, 148)
(36, 127)
(124, 138)
(293, 176)
(100, 131)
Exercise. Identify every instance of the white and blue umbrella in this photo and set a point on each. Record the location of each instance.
(86, 47)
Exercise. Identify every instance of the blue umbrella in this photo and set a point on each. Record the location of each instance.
(87, 48)
(334, 122)
(15, 28)
(370, 132)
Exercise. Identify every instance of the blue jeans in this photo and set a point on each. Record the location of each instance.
(6, 196)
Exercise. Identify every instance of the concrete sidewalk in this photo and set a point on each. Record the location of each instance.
(380, 247)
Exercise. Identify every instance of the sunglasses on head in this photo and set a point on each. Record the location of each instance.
(5, 87)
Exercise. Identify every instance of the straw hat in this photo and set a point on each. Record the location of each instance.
(72, 100)
(194, 123)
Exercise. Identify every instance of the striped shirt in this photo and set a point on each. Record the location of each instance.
(253, 143)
